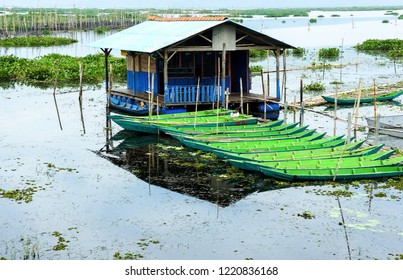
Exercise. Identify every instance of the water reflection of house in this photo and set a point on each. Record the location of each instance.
(184, 61)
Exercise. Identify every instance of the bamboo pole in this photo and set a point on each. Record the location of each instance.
(358, 105)
(335, 111)
(377, 126)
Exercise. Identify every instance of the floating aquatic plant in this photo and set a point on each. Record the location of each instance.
(20, 195)
(306, 215)
(61, 242)
(127, 256)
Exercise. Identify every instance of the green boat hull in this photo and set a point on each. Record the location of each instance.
(348, 150)
(203, 113)
(154, 126)
(249, 134)
(264, 146)
(308, 135)
(324, 163)
(201, 130)
(331, 174)
(351, 101)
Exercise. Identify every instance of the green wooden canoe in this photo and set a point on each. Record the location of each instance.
(307, 135)
(203, 113)
(351, 149)
(322, 163)
(380, 98)
(250, 134)
(256, 144)
(272, 126)
(349, 173)
(153, 126)
(264, 146)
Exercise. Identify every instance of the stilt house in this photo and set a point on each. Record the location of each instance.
(178, 62)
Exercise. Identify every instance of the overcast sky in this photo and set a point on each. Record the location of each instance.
(184, 4)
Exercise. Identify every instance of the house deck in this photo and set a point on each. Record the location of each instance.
(234, 98)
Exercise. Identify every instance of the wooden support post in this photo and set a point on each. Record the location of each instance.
(264, 95)
(278, 92)
(197, 100)
(106, 53)
(241, 89)
(301, 92)
(285, 75)
(268, 72)
(166, 60)
(224, 59)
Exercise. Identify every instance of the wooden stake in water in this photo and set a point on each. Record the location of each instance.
(80, 96)
(357, 109)
(301, 92)
(335, 110)
(54, 94)
(348, 128)
(108, 120)
(375, 120)
(345, 228)
(377, 126)
(285, 112)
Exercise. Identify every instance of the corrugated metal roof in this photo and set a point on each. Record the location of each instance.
(154, 35)
(155, 18)
(150, 36)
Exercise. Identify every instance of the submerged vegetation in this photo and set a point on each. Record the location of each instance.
(329, 53)
(314, 86)
(393, 48)
(36, 41)
(20, 195)
(43, 70)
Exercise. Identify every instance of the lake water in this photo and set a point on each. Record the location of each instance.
(83, 205)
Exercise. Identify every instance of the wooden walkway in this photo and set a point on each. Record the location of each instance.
(234, 98)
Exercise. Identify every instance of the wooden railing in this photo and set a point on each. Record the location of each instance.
(187, 94)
